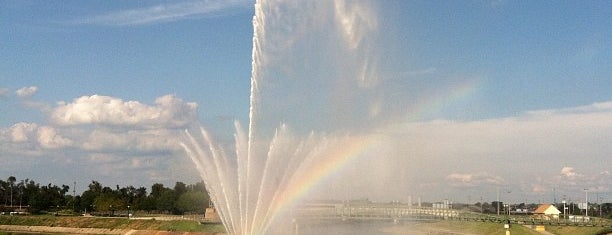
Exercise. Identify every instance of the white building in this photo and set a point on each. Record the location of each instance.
(547, 212)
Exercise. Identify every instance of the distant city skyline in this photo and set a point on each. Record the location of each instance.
(498, 94)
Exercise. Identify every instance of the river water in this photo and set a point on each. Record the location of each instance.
(355, 228)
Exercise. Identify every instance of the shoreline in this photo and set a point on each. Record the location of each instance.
(69, 230)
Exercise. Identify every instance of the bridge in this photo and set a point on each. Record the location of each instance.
(398, 212)
(372, 211)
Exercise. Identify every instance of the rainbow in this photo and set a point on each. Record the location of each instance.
(355, 148)
(349, 150)
(430, 105)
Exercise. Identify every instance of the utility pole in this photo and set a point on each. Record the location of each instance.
(599, 203)
(586, 202)
(74, 196)
(481, 205)
(508, 191)
(497, 200)
(564, 209)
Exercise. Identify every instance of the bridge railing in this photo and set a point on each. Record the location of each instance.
(373, 211)
(403, 212)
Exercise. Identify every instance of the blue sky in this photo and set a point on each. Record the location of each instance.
(538, 68)
(67, 52)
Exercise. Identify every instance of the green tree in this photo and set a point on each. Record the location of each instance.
(108, 203)
(140, 200)
(192, 201)
(11, 181)
(157, 189)
(166, 201)
(180, 188)
(147, 204)
(88, 197)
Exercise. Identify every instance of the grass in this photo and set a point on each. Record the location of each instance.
(584, 230)
(466, 227)
(189, 226)
(486, 228)
(472, 227)
(110, 223)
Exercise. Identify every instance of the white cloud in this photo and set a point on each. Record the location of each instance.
(569, 172)
(102, 124)
(28, 137)
(168, 111)
(595, 107)
(531, 153)
(518, 149)
(167, 12)
(473, 179)
(21, 132)
(540, 189)
(25, 92)
(103, 138)
(49, 138)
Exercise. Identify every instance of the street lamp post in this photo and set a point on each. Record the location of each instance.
(599, 202)
(564, 210)
(20, 196)
(498, 200)
(586, 202)
(481, 205)
(507, 209)
(508, 191)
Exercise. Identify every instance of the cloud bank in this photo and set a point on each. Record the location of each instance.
(168, 112)
(534, 155)
(528, 154)
(167, 12)
(102, 136)
(25, 92)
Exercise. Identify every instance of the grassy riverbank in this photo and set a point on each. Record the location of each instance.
(482, 228)
(569, 230)
(110, 223)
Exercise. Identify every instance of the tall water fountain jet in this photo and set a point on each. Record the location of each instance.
(313, 74)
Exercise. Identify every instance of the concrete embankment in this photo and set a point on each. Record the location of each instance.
(66, 230)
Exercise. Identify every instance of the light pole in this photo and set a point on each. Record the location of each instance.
(20, 196)
(564, 209)
(586, 202)
(497, 201)
(599, 200)
(507, 206)
(481, 205)
(508, 191)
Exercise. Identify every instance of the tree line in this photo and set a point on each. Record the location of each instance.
(28, 196)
